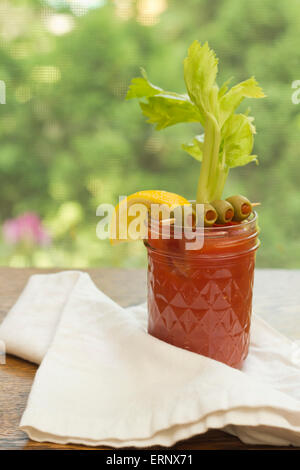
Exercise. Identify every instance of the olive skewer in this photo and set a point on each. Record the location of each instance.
(207, 217)
(224, 210)
(235, 208)
(242, 207)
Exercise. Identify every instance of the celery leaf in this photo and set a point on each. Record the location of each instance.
(238, 139)
(140, 87)
(233, 98)
(165, 110)
(200, 71)
(195, 148)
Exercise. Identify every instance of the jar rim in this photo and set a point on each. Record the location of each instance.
(216, 231)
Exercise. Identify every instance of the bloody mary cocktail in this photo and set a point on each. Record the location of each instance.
(199, 298)
(202, 300)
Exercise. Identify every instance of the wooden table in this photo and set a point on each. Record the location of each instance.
(277, 299)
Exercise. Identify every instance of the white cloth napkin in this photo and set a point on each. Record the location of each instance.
(104, 381)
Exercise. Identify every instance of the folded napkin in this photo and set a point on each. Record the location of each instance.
(104, 381)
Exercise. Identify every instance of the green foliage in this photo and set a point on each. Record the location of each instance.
(200, 71)
(231, 99)
(195, 148)
(163, 108)
(238, 142)
(228, 137)
(70, 141)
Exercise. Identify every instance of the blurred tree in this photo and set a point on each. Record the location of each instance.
(69, 141)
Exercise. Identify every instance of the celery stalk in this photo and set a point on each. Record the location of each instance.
(228, 136)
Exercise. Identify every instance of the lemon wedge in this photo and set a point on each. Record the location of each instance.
(125, 215)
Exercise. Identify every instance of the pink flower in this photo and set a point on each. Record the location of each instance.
(27, 227)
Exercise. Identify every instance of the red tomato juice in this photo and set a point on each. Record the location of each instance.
(201, 299)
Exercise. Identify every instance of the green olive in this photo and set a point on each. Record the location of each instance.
(204, 214)
(242, 207)
(210, 215)
(224, 210)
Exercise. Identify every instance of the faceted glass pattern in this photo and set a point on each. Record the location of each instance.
(204, 304)
(208, 312)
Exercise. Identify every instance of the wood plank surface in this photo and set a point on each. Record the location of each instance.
(277, 299)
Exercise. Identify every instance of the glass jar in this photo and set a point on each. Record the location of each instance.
(201, 300)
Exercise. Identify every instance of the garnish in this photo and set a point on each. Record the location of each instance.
(227, 140)
(242, 207)
(224, 210)
(121, 219)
